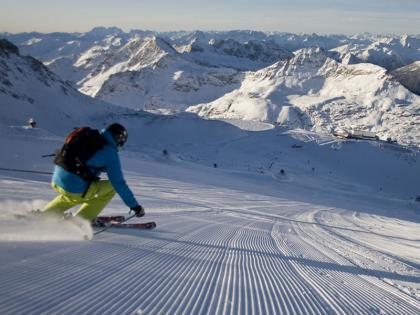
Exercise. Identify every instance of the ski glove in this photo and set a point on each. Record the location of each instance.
(138, 211)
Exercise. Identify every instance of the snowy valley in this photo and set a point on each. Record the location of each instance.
(234, 150)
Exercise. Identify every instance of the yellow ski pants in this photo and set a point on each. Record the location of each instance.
(96, 198)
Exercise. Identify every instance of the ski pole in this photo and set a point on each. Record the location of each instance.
(107, 227)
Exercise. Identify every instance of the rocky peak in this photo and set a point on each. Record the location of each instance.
(101, 31)
(410, 42)
(7, 47)
(164, 45)
(310, 55)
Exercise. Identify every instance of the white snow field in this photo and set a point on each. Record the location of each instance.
(336, 232)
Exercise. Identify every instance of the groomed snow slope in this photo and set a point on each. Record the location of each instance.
(229, 240)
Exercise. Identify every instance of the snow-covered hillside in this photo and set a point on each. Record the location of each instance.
(28, 89)
(314, 91)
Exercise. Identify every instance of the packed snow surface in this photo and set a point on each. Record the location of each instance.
(337, 232)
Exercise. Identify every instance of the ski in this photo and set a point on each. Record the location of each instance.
(103, 223)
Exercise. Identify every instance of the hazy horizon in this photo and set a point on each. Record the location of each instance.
(301, 16)
(209, 30)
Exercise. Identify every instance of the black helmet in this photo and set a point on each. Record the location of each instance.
(119, 133)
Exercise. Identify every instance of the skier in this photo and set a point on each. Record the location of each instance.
(31, 123)
(94, 194)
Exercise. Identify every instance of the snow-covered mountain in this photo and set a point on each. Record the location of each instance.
(146, 73)
(316, 92)
(330, 82)
(251, 55)
(288, 41)
(295, 42)
(388, 52)
(50, 46)
(409, 76)
(168, 86)
(100, 62)
(29, 89)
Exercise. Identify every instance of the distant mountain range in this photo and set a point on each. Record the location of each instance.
(320, 83)
(387, 51)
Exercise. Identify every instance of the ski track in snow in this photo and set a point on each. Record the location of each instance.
(268, 256)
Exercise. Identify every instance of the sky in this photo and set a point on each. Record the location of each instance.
(297, 16)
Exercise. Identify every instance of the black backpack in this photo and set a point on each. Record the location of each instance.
(79, 146)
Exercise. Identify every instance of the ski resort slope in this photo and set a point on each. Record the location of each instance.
(228, 241)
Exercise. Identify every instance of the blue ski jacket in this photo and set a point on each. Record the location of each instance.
(105, 160)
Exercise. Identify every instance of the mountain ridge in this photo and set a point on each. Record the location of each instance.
(345, 82)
